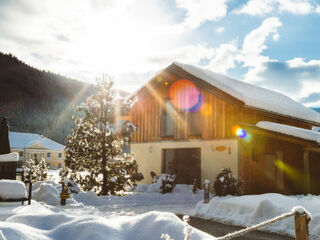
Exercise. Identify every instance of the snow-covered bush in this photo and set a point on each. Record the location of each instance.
(35, 171)
(165, 182)
(225, 183)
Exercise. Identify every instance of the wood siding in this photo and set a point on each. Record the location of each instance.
(219, 113)
(217, 118)
(253, 161)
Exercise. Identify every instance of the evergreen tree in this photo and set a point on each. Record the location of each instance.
(226, 183)
(35, 171)
(94, 151)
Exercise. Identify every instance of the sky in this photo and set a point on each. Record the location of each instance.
(270, 43)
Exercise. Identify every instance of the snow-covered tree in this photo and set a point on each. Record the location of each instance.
(35, 171)
(94, 151)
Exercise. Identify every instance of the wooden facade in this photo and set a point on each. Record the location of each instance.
(220, 114)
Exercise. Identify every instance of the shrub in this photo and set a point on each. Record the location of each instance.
(225, 183)
(166, 182)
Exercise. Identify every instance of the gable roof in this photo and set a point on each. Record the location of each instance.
(252, 95)
(24, 140)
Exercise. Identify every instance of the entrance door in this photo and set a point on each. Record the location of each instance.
(185, 163)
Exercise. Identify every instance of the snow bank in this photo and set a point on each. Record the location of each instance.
(10, 157)
(252, 209)
(12, 189)
(49, 193)
(61, 225)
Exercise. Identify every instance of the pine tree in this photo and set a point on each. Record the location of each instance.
(35, 171)
(225, 183)
(94, 151)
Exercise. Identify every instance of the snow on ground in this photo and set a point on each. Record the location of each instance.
(146, 210)
(180, 201)
(39, 221)
(251, 209)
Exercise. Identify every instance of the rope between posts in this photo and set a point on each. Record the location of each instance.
(255, 227)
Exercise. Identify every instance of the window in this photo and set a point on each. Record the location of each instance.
(48, 155)
(194, 124)
(167, 123)
(21, 154)
(60, 155)
(59, 165)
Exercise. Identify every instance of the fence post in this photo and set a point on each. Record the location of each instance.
(206, 191)
(30, 189)
(301, 226)
(64, 190)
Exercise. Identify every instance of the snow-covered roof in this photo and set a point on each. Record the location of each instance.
(290, 130)
(10, 157)
(254, 96)
(24, 140)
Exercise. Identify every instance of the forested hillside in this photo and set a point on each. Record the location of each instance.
(38, 101)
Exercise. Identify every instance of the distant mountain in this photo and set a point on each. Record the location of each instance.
(316, 109)
(38, 101)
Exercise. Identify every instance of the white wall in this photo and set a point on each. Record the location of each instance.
(149, 156)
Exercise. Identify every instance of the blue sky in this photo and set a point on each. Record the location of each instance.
(270, 43)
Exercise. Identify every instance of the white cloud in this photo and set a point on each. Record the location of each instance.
(190, 54)
(296, 6)
(202, 10)
(318, 9)
(256, 7)
(224, 58)
(262, 7)
(249, 54)
(219, 29)
(82, 39)
(254, 42)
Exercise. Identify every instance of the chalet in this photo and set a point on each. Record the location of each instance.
(35, 146)
(193, 122)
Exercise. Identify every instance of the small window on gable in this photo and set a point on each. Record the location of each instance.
(167, 122)
(194, 123)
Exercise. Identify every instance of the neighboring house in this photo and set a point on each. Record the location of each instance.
(35, 146)
(193, 122)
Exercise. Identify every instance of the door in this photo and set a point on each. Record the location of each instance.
(185, 163)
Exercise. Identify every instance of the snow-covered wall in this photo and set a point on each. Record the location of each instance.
(215, 155)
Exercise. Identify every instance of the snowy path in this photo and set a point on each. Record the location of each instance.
(220, 229)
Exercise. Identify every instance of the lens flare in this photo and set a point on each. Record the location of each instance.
(186, 96)
(241, 133)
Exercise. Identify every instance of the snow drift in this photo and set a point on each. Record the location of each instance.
(252, 209)
(51, 225)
